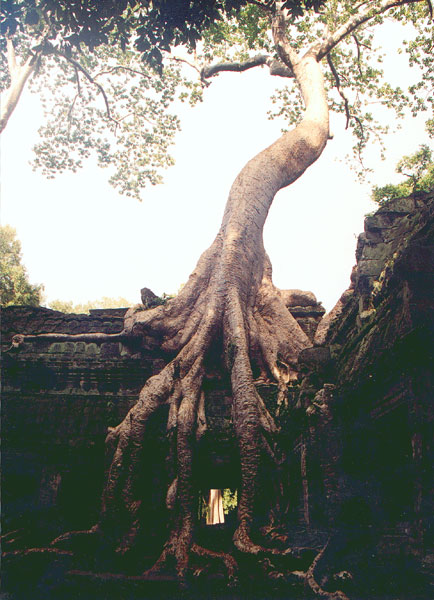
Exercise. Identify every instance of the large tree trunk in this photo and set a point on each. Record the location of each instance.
(229, 302)
(229, 296)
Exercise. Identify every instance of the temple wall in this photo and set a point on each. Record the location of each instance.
(358, 423)
(371, 429)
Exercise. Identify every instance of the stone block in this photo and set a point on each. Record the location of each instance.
(380, 251)
(307, 311)
(370, 267)
(109, 350)
(92, 349)
(316, 358)
(376, 223)
(398, 207)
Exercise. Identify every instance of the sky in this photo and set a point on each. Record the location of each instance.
(82, 240)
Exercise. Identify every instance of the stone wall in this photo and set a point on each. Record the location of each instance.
(358, 423)
(60, 398)
(367, 388)
(57, 401)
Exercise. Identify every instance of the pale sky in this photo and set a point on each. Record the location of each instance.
(82, 240)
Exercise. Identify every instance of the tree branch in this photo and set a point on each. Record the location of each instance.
(359, 53)
(193, 65)
(366, 13)
(286, 53)
(121, 68)
(279, 69)
(276, 68)
(210, 70)
(19, 75)
(78, 81)
(91, 80)
(12, 58)
(70, 111)
(339, 89)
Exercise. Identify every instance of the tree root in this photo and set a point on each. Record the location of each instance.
(314, 585)
(256, 331)
(228, 560)
(230, 302)
(78, 534)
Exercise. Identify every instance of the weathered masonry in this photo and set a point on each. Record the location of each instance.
(357, 425)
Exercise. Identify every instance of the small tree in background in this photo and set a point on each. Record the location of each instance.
(419, 170)
(66, 306)
(15, 287)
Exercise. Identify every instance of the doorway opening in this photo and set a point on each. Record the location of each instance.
(217, 506)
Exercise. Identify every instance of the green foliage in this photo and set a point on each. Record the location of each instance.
(229, 500)
(163, 299)
(110, 106)
(15, 287)
(203, 508)
(104, 302)
(111, 88)
(419, 170)
(106, 86)
(153, 26)
(420, 52)
(430, 127)
(355, 79)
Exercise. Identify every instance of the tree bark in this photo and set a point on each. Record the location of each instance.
(229, 299)
(230, 294)
(19, 75)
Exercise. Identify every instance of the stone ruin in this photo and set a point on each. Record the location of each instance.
(358, 423)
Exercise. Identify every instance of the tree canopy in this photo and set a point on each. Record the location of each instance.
(15, 287)
(154, 26)
(111, 76)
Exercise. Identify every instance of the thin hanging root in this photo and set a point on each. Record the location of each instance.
(228, 560)
(159, 565)
(315, 587)
(71, 537)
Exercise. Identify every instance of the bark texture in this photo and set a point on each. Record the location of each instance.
(228, 301)
(19, 75)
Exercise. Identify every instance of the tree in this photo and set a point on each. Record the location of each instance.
(149, 299)
(110, 81)
(229, 311)
(104, 302)
(100, 75)
(419, 170)
(15, 287)
(107, 104)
